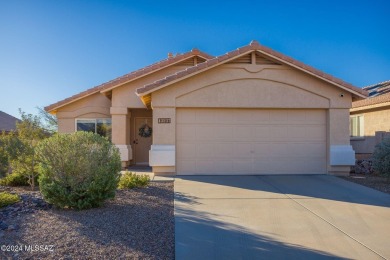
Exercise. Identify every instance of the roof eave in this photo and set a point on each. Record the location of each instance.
(144, 75)
(369, 107)
(141, 94)
(356, 93)
(53, 107)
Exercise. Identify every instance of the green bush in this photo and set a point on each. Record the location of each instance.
(3, 162)
(131, 180)
(381, 158)
(3, 155)
(8, 199)
(14, 179)
(79, 170)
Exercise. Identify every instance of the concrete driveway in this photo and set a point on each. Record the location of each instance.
(279, 217)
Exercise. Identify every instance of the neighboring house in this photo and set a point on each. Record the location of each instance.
(378, 89)
(7, 122)
(370, 119)
(250, 111)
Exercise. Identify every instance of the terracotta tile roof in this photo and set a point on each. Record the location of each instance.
(253, 46)
(372, 101)
(130, 76)
(378, 89)
(7, 122)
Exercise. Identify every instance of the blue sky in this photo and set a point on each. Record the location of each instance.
(50, 50)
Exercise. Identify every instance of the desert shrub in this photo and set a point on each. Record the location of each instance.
(3, 156)
(18, 147)
(14, 179)
(381, 158)
(8, 199)
(78, 170)
(131, 180)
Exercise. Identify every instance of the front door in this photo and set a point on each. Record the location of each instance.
(143, 139)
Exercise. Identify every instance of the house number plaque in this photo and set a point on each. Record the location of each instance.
(164, 121)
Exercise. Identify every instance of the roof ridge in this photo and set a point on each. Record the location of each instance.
(253, 46)
(131, 76)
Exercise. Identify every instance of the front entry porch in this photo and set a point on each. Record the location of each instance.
(132, 133)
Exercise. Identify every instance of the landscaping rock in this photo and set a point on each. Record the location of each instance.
(11, 228)
(137, 224)
(3, 226)
(363, 167)
(12, 215)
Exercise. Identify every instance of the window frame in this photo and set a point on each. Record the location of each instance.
(360, 123)
(92, 119)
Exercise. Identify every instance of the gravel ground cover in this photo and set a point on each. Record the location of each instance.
(137, 224)
(372, 181)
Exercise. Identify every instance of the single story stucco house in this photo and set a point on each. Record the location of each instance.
(370, 119)
(250, 111)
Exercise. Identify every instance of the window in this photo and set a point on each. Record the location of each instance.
(356, 126)
(98, 126)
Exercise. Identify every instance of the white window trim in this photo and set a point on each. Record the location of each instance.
(92, 119)
(361, 127)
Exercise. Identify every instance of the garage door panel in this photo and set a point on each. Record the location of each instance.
(296, 117)
(224, 166)
(279, 150)
(205, 166)
(186, 166)
(205, 150)
(262, 133)
(307, 150)
(265, 164)
(205, 132)
(261, 116)
(251, 141)
(242, 116)
(204, 116)
(187, 150)
(297, 132)
(261, 149)
(315, 116)
(243, 133)
(224, 150)
(224, 132)
(315, 133)
(242, 166)
(278, 116)
(279, 133)
(242, 150)
(307, 166)
(224, 117)
(188, 116)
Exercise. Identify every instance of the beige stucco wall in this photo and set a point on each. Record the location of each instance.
(123, 107)
(253, 86)
(124, 96)
(94, 106)
(377, 119)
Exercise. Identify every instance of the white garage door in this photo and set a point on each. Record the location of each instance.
(251, 141)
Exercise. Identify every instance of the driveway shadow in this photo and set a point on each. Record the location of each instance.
(200, 235)
(308, 186)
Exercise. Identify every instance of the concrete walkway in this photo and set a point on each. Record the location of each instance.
(279, 217)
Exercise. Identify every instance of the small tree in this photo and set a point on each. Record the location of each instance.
(381, 158)
(49, 121)
(20, 146)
